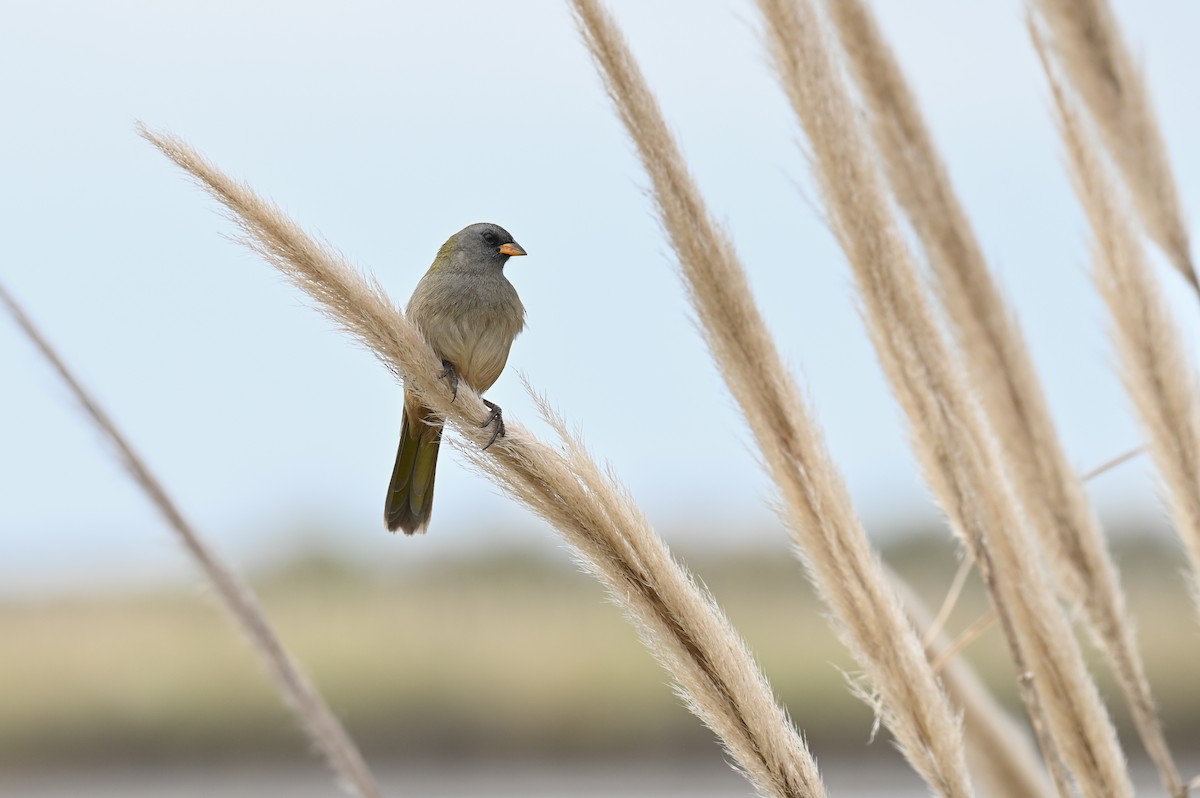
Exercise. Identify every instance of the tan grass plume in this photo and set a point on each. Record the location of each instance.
(1154, 368)
(1088, 45)
(816, 504)
(314, 715)
(999, 752)
(678, 619)
(954, 446)
(1000, 366)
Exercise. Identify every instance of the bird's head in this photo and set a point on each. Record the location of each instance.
(482, 244)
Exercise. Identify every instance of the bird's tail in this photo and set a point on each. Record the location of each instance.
(410, 494)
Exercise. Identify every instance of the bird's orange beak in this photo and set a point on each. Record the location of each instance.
(512, 249)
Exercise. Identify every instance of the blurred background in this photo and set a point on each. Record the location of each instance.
(477, 651)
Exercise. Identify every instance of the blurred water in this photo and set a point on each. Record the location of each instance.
(707, 779)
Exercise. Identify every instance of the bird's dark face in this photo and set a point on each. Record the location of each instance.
(488, 243)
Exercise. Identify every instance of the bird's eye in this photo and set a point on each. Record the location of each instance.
(491, 238)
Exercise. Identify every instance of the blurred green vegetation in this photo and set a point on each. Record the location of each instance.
(506, 654)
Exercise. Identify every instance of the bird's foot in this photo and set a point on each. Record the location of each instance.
(450, 373)
(497, 417)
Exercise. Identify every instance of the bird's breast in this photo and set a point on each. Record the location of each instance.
(470, 323)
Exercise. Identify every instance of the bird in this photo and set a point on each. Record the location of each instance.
(469, 313)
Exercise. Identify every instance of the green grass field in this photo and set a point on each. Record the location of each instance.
(509, 655)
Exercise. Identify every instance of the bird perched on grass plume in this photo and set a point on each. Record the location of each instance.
(470, 313)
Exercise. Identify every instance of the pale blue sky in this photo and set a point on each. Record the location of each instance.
(385, 127)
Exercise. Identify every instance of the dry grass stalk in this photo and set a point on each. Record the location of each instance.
(966, 637)
(1001, 367)
(817, 508)
(956, 449)
(679, 620)
(934, 628)
(1085, 37)
(1154, 367)
(314, 715)
(999, 752)
(1110, 464)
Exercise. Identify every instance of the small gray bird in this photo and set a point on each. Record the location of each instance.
(470, 313)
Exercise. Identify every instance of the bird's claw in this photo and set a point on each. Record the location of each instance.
(494, 416)
(450, 373)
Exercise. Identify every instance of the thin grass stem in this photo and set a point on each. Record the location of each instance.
(309, 707)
